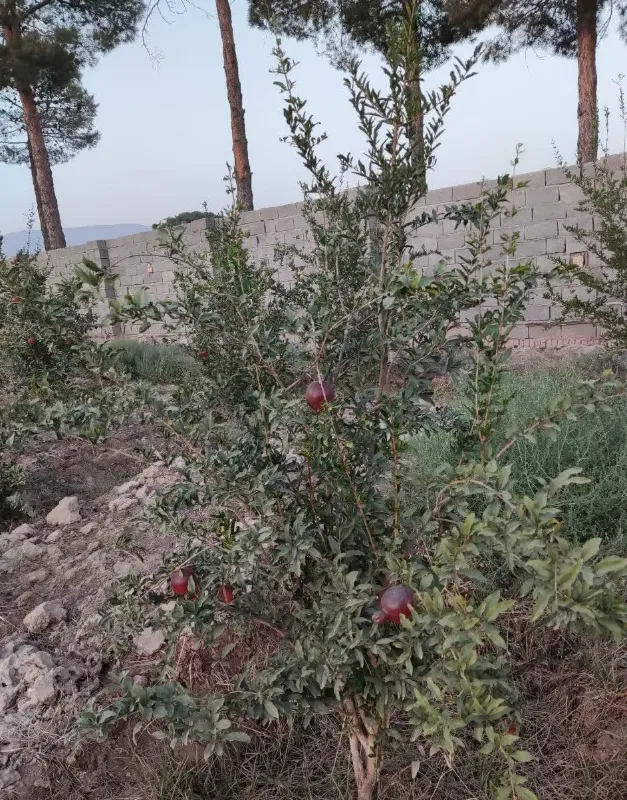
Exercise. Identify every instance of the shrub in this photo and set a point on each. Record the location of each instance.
(42, 328)
(308, 530)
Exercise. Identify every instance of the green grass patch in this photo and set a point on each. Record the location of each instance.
(157, 363)
(597, 443)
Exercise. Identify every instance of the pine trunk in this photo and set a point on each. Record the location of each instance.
(47, 205)
(587, 11)
(243, 175)
(44, 232)
(416, 133)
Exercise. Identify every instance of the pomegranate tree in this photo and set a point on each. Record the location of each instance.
(379, 611)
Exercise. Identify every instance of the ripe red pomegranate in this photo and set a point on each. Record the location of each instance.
(31, 340)
(379, 617)
(396, 602)
(179, 580)
(319, 393)
(203, 354)
(16, 299)
(68, 342)
(226, 593)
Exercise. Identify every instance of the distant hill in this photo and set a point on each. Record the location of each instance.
(12, 242)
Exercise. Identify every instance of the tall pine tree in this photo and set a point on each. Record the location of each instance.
(339, 27)
(569, 28)
(47, 42)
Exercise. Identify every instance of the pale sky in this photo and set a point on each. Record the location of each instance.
(166, 129)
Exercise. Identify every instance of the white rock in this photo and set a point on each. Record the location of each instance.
(65, 513)
(7, 697)
(44, 615)
(87, 528)
(93, 546)
(122, 568)
(150, 472)
(53, 537)
(178, 464)
(23, 532)
(122, 503)
(149, 642)
(9, 777)
(37, 576)
(142, 493)
(31, 550)
(140, 680)
(43, 691)
(54, 553)
(127, 487)
(13, 554)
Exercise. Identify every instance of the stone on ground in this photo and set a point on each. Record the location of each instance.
(43, 616)
(65, 513)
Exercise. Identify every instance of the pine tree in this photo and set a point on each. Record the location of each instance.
(569, 28)
(67, 118)
(341, 26)
(46, 43)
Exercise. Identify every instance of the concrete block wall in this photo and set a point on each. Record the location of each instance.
(545, 208)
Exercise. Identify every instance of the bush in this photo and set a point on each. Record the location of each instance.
(295, 511)
(43, 329)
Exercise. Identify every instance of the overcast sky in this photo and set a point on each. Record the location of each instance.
(166, 129)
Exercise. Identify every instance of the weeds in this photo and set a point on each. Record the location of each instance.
(160, 364)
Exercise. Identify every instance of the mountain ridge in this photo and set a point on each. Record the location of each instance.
(12, 242)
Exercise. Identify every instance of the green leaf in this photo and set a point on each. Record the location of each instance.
(523, 756)
(610, 564)
(271, 710)
(237, 736)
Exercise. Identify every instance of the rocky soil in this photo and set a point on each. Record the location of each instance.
(56, 575)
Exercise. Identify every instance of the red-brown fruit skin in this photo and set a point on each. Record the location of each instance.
(203, 354)
(31, 340)
(226, 594)
(318, 393)
(396, 602)
(16, 299)
(379, 617)
(179, 581)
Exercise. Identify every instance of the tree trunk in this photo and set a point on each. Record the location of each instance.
(44, 232)
(587, 11)
(47, 205)
(365, 751)
(243, 175)
(416, 133)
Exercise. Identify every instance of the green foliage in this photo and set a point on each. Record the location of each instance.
(597, 443)
(185, 217)
(11, 486)
(304, 513)
(156, 363)
(43, 330)
(67, 114)
(599, 289)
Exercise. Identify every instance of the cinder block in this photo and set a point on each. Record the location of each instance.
(539, 331)
(578, 330)
(268, 213)
(250, 216)
(467, 191)
(537, 313)
(439, 196)
(254, 228)
(519, 332)
(534, 180)
(556, 245)
(424, 242)
(541, 230)
(451, 241)
(567, 225)
(522, 216)
(546, 194)
(531, 247)
(284, 224)
(556, 176)
(570, 193)
(290, 210)
(549, 211)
